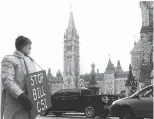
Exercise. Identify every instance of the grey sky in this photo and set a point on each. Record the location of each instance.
(105, 28)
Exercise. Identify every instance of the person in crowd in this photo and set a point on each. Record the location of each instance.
(15, 103)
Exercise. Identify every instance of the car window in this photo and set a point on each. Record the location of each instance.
(72, 93)
(61, 93)
(64, 94)
(148, 92)
(56, 94)
(87, 92)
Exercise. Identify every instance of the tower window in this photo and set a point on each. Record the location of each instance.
(69, 48)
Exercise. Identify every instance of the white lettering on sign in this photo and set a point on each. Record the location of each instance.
(38, 93)
(34, 94)
(41, 77)
(45, 103)
(36, 79)
(42, 105)
(32, 83)
(37, 84)
(38, 109)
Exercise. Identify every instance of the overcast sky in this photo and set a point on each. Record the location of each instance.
(105, 27)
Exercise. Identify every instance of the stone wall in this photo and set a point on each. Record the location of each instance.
(146, 34)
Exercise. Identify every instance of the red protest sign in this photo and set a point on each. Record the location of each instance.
(38, 92)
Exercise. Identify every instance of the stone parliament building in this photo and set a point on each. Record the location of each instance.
(113, 80)
(142, 53)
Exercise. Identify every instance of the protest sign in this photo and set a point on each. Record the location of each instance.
(38, 92)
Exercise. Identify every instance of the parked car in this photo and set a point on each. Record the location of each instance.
(137, 106)
(80, 100)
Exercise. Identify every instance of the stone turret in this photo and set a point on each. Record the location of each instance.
(110, 67)
(49, 75)
(131, 83)
(136, 60)
(93, 86)
(119, 69)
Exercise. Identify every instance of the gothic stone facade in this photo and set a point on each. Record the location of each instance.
(142, 54)
(71, 55)
(112, 81)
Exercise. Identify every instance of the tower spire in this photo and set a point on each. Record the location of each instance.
(119, 66)
(110, 66)
(134, 40)
(70, 7)
(71, 54)
(71, 24)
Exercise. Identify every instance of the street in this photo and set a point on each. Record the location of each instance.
(72, 116)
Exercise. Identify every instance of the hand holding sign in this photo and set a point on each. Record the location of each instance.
(25, 101)
(38, 92)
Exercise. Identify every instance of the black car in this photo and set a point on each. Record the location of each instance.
(80, 100)
(137, 106)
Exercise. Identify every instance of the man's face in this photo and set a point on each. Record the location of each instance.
(26, 50)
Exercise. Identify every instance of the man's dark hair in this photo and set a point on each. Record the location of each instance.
(21, 41)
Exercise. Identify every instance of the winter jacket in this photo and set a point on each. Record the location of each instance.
(13, 83)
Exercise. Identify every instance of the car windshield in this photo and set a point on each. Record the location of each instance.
(146, 92)
(87, 92)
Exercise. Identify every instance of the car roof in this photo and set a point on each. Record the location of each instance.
(74, 89)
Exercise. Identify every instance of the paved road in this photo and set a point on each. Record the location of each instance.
(71, 117)
(74, 116)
